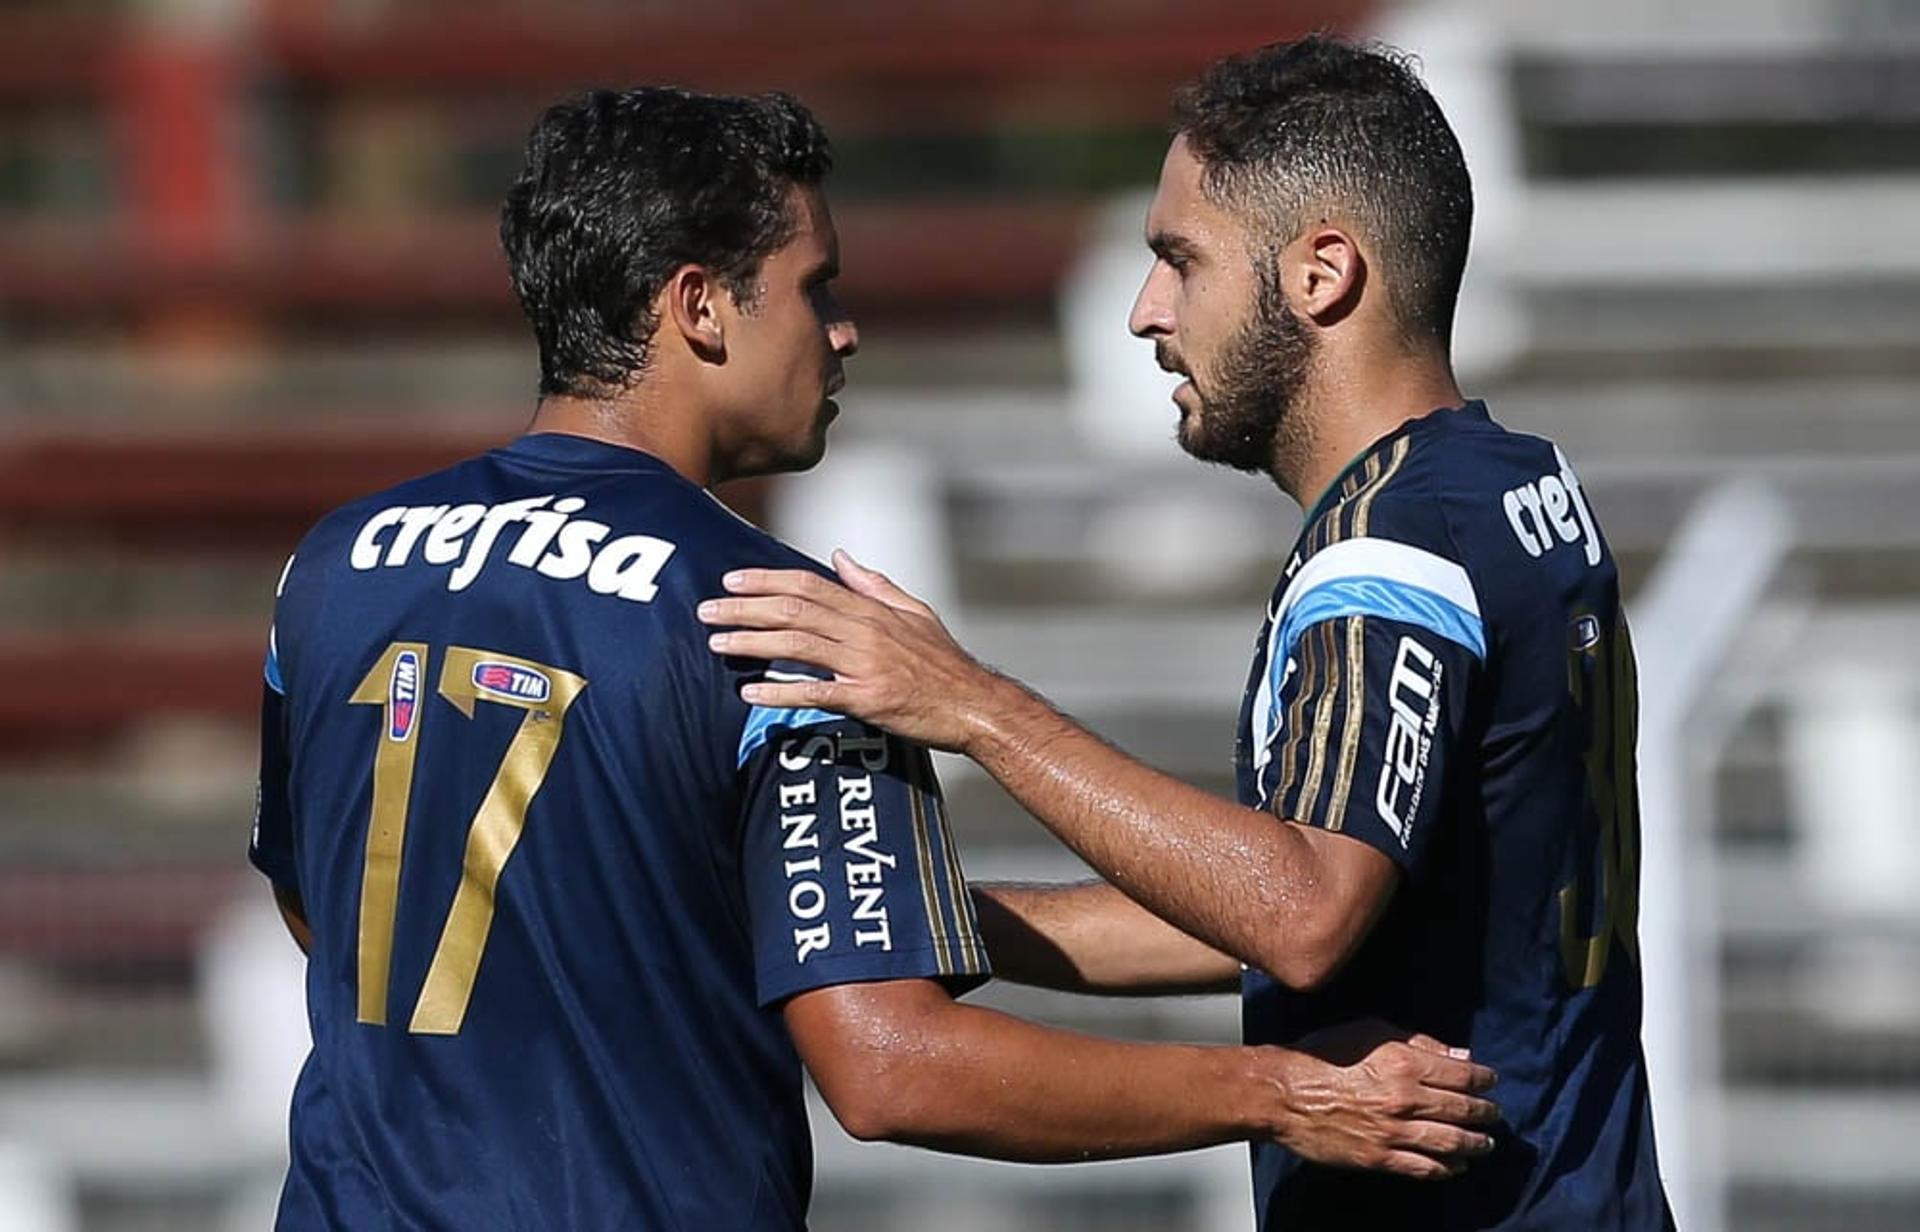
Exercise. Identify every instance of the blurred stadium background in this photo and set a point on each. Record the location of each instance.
(247, 270)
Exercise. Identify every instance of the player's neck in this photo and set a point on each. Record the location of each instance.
(636, 420)
(1349, 407)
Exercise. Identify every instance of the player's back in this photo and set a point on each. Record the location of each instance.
(515, 801)
(1505, 708)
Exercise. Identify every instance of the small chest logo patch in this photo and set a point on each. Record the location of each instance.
(511, 680)
(1584, 633)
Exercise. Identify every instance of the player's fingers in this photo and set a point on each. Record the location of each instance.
(1445, 1142)
(776, 612)
(1416, 1166)
(1426, 1043)
(875, 584)
(799, 695)
(1452, 1075)
(812, 586)
(784, 644)
(1458, 1109)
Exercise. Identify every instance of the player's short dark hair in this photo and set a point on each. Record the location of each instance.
(621, 188)
(1297, 129)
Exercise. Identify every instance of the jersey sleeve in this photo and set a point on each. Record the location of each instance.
(850, 870)
(1375, 653)
(271, 849)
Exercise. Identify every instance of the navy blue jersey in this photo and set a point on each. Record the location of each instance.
(560, 877)
(1445, 675)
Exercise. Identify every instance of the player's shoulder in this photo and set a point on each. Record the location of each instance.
(1389, 494)
(328, 541)
(636, 490)
(1464, 453)
(1508, 500)
(743, 544)
(562, 506)
(1449, 483)
(1404, 533)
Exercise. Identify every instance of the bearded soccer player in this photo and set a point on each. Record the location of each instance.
(576, 915)
(1436, 820)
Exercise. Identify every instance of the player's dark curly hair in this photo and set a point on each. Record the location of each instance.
(620, 189)
(1299, 131)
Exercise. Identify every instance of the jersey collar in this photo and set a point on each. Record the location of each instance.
(1473, 408)
(564, 449)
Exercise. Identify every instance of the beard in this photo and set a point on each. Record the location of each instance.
(1246, 415)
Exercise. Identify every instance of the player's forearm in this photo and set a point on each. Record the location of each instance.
(983, 1083)
(1233, 877)
(1091, 938)
(900, 1060)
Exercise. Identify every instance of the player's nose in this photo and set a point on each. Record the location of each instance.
(1152, 313)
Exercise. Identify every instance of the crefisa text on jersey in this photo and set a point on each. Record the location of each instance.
(1552, 508)
(552, 542)
(866, 863)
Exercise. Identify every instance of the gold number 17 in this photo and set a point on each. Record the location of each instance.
(393, 684)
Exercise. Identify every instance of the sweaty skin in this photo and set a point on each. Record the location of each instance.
(904, 1066)
(901, 1060)
(1091, 938)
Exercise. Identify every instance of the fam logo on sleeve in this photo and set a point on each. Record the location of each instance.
(1413, 699)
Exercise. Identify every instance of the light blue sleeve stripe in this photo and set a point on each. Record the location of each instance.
(1277, 678)
(1388, 599)
(274, 681)
(763, 719)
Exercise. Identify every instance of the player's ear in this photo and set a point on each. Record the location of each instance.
(1324, 273)
(691, 308)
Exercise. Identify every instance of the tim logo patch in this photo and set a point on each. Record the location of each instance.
(403, 697)
(511, 680)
